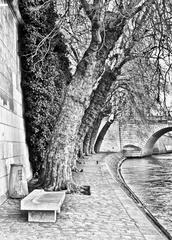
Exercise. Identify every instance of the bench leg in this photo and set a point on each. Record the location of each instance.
(42, 216)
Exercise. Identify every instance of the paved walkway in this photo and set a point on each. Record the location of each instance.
(108, 213)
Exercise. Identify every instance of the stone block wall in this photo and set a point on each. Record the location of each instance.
(13, 148)
(111, 141)
(120, 135)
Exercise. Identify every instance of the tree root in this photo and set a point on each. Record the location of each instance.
(75, 169)
(71, 188)
(50, 188)
(85, 190)
(74, 188)
(34, 184)
(81, 160)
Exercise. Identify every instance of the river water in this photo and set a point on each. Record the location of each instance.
(150, 179)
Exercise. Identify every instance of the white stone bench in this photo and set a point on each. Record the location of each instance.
(42, 206)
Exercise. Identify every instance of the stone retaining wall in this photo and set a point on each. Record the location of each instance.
(13, 148)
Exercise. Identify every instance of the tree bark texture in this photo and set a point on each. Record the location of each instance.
(113, 28)
(87, 141)
(114, 24)
(98, 97)
(90, 136)
(97, 102)
(56, 170)
(94, 132)
(101, 136)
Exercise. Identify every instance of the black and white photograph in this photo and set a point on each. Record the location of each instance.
(85, 119)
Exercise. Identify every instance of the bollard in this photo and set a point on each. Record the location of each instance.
(17, 183)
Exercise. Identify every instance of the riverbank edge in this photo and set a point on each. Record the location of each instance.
(114, 163)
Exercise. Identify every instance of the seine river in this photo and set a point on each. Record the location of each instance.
(150, 179)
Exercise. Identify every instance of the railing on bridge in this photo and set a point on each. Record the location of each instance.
(160, 118)
(164, 118)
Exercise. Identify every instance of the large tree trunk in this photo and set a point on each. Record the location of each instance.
(98, 100)
(101, 136)
(93, 136)
(57, 166)
(87, 141)
(114, 29)
(114, 24)
(56, 170)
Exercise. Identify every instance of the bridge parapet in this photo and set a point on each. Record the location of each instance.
(143, 136)
(159, 118)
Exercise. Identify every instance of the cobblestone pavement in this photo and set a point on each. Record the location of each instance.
(108, 213)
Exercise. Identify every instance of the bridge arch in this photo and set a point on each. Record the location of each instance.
(148, 148)
(132, 146)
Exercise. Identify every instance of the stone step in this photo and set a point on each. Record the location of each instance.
(42, 206)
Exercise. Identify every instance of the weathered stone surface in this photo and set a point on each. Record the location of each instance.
(41, 200)
(42, 216)
(42, 206)
(13, 148)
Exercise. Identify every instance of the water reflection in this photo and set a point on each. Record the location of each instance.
(151, 180)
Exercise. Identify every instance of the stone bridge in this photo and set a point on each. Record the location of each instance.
(140, 139)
